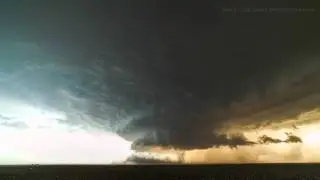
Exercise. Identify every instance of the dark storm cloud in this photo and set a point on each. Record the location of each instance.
(144, 160)
(284, 103)
(187, 68)
(192, 141)
(215, 140)
(264, 139)
(247, 71)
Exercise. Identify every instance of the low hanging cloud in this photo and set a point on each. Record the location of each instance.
(232, 141)
(264, 139)
(263, 150)
(216, 140)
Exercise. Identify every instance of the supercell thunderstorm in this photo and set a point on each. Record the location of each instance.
(60, 113)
